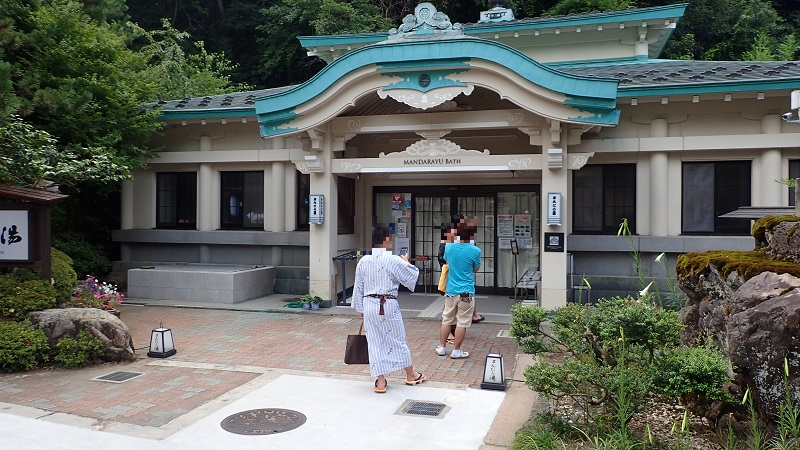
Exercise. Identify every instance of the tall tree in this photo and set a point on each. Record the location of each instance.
(283, 61)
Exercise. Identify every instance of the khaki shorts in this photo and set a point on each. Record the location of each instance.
(457, 311)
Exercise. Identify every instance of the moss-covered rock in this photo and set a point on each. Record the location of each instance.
(766, 223)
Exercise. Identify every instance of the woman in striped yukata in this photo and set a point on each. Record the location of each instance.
(378, 277)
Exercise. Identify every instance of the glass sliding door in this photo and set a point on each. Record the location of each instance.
(502, 212)
(516, 210)
(482, 209)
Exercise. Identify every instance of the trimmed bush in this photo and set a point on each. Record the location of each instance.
(691, 370)
(64, 276)
(84, 350)
(86, 257)
(21, 346)
(22, 298)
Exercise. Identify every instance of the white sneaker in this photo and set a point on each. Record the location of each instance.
(458, 354)
(440, 350)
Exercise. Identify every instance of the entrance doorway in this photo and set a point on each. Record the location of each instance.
(431, 212)
(503, 213)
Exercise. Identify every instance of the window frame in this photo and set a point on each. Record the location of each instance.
(234, 182)
(721, 226)
(303, 188)
(609, 198)
(183, 194)
(794, 172)
(346, 208)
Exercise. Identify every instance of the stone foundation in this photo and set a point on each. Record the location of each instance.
(211, 283)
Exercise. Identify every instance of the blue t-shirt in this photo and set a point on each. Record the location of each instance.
(462, 259)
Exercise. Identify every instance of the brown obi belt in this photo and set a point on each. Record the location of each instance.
(383, 298)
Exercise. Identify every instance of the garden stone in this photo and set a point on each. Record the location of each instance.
(68, 322)
(784, 241)
(756, 328)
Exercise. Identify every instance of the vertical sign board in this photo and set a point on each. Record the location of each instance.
(554, 208)
(14, 235)
(316, 209)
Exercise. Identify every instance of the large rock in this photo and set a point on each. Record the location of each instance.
(99, 324)
(756, 327)
(784, 241)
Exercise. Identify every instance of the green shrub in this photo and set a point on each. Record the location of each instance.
(21, 346)
(78, 352)
(603, 353)
(538, 435)
(691, 370)
(22, 298)
(87, 258)
(64, 277)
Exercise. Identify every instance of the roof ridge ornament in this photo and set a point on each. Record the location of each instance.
(426, 20)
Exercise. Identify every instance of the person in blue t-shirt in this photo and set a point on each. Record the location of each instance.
(463, 260)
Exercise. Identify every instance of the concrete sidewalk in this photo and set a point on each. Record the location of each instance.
(230, 361)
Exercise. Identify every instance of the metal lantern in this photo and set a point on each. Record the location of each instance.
(161, 344)
(493, 373)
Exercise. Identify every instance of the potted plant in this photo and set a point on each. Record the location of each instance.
(315, 302)
(92, 293)
(306, 301)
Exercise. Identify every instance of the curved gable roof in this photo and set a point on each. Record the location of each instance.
(594, 99)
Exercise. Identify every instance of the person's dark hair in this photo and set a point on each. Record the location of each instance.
(447, 226)
(457, 217)
(466, 229)
(379, 234)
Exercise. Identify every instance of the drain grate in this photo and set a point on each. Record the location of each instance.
(257, 422)
(504, 334)
(423, 409)
(118, 376)
(339, 320)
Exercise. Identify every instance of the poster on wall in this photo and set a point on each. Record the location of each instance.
(397, 198)
(525, 243)
(400, 243)
(505, 226)
(504, 243)
(522, 225)
(400, 229)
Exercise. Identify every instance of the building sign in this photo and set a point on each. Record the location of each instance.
(14, 235)
(316, 209)
(431, 162)
(554, 242)
(554, 208)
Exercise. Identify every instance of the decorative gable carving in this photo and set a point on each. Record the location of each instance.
(433, 147)
(425, 20)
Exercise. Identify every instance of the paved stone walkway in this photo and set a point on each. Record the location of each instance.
(220, 350)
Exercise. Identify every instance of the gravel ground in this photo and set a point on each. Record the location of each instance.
(661, 418)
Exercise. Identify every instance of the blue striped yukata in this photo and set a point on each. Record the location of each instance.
(383, 273)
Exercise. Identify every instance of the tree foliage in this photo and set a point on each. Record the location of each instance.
(261, 36)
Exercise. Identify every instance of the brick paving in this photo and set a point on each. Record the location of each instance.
(220, 350)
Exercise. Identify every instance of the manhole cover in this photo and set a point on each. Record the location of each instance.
(263, 421)
(424, 409)
(118, 376)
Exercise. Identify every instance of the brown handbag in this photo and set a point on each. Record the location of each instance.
(356, 351)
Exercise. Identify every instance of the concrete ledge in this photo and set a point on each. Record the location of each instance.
(201, 282)
(516, 409)
(219, 237)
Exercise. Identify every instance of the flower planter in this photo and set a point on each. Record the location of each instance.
(306, 305)
(315, 306)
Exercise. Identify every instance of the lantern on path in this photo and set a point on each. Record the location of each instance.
(493, 373)
(161, 344)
